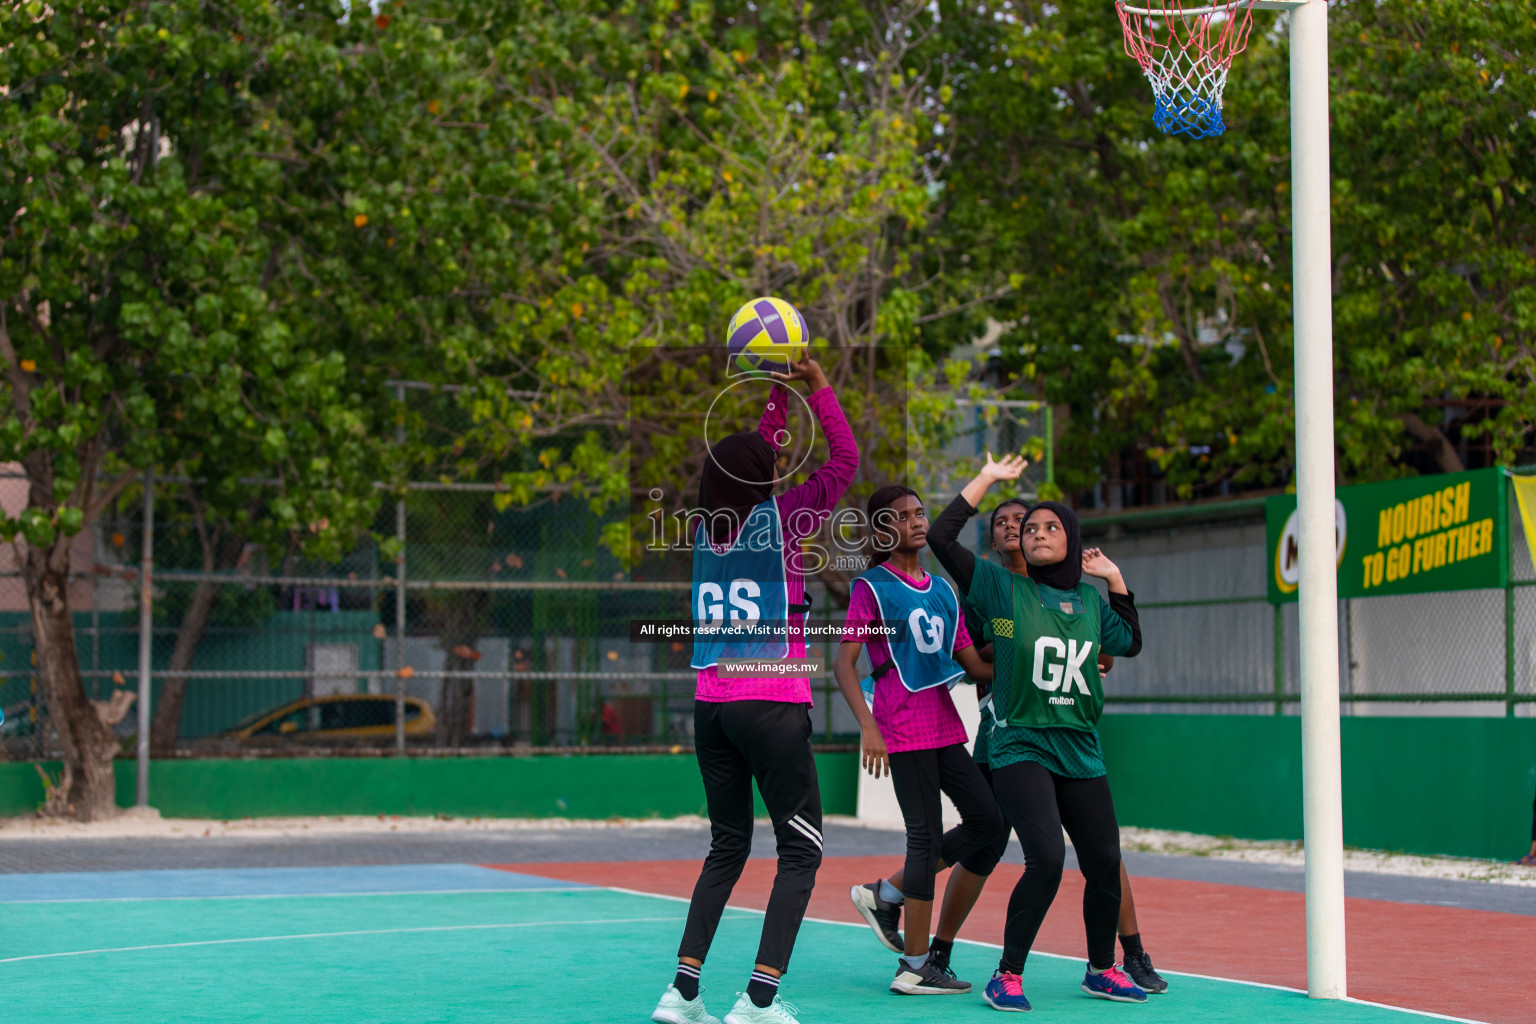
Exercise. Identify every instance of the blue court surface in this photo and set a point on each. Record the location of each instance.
(457, 942)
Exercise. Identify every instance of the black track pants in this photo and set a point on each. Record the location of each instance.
(1038, 805)
(919, 777)
(770, 742)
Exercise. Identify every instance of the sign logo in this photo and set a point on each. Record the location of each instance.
(1287, 552)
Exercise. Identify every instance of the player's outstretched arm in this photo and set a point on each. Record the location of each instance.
(804, 506)
(1008, 468)
(1120, 626)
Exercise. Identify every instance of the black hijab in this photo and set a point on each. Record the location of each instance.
(738, 475)
(1067, 573)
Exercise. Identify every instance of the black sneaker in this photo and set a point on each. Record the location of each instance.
(1140, 968)
(927, 980)
(940, 959)
(881, 916)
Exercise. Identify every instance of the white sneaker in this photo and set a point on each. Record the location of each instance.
(747, 1012)
(674, 1009)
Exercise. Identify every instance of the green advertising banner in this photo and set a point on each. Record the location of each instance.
(1427, 533)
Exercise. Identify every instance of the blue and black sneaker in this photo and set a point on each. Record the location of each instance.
(881, 916)
(1113, 984)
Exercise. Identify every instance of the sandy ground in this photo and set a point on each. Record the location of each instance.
(134, 824)
(1290, 853)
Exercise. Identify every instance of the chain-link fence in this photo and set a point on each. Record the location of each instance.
(508, 630)
(1213, 643)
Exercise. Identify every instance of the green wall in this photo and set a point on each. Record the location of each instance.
(277, 644)
(1425, 785)
(1460, 786)
(596, 786)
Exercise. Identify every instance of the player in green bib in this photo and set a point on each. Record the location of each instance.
(1047, 769)
(1006, 521)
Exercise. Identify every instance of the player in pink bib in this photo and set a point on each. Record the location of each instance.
(910, 623)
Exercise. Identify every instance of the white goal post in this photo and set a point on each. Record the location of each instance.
(1312, 317)
(1186, 48)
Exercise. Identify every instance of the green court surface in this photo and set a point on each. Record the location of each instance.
(538, 954)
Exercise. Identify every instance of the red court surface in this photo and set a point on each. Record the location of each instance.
(1464, 963)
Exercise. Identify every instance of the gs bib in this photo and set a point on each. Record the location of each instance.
(741, 595)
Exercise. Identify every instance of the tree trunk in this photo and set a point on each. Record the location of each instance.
(458, 701)
(166, 729)
(1188, 347)
(89, 783)
(221, 550)
(1440, 447)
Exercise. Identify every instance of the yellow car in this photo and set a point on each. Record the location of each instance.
(342, 717)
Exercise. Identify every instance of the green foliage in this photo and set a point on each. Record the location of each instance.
(1150, 277)
(156, 235)
(636, 172)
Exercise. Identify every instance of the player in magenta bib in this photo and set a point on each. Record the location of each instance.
(910, 726)
(756, 730)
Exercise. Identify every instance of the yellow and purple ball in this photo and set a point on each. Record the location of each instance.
(766, 334)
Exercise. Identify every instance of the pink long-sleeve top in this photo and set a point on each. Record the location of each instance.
(802, 510)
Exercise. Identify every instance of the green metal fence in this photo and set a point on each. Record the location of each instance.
(511, 629)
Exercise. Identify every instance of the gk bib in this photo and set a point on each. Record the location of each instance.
(1055, 680)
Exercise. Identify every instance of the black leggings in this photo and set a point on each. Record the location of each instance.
(985, 859)
(1038, 805)
(919, 777)
(770, 742)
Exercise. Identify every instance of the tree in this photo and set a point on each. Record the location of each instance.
(140, 324)
(659, 166)
(1151, 275)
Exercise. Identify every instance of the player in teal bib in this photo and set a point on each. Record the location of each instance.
(909, 623)
(739, 590)
(1047, 770)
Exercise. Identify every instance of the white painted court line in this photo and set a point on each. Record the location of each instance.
(300, 895)
(1062, 956)
(335, 935)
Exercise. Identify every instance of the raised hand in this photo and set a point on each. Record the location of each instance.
(807, 370)
(1007, 468)
(1096, 563)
